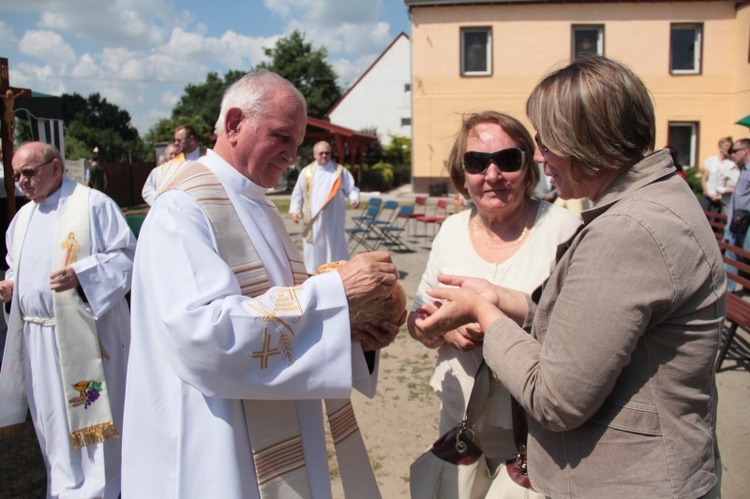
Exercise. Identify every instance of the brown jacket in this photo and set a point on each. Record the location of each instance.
(617, 375)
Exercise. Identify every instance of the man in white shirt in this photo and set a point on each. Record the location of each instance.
(719, 179)
(70, 257)
(319, 198)
(233, 346)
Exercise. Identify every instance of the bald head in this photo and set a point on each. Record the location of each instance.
(38, 168)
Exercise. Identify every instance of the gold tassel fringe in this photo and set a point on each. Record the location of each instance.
(94, 434)
(12, 431)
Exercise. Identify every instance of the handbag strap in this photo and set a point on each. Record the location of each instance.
(520, 426)
(478, 403)
(479, 395)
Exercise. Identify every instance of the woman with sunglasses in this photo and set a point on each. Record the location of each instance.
(508, 237)
(617, 374)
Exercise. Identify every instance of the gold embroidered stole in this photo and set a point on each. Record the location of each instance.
(88, 410)
(272, 424)
(307, 232)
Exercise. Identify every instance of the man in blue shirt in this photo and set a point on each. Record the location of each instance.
(740, 154)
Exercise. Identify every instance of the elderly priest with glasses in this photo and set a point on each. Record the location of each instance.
(70, 258)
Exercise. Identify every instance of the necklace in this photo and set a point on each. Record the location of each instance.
(508, 245)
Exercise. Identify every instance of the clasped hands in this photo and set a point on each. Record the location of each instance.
(368, 277)
(458, 314)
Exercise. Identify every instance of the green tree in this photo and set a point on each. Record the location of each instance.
(198, 106)
(202, 101)
(398, 152)
(94, 122)
(294, 59)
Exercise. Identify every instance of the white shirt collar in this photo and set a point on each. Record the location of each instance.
(231, 178)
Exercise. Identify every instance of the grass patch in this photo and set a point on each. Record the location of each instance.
(281, 203)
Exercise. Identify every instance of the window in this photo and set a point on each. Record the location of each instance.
(683, 136)
(476, 51)
(405, 121)
(407, 87)
(587, 39)
(685, 48)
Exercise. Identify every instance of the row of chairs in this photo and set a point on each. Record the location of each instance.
(380, 224)
(383, 223)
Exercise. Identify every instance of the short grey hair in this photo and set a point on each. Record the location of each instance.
(250, 93)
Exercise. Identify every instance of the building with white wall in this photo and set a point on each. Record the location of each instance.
(381, 98)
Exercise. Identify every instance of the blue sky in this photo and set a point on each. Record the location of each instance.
(140, 54)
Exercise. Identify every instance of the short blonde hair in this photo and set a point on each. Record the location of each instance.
(595, 111)
(512, 127)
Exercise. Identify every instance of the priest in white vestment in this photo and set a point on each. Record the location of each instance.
(205, 355)
(320, 192)
(94, 273)
(150, 188)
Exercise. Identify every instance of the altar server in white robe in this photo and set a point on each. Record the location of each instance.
(88, 270)
(319, 198)
(204, 357)
(150, 188)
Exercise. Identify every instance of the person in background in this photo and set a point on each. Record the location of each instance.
(186, 140)
(96, 177)
(70, 258)
(234, 346)
(720, 177)
(617, 373)
(150, 188)
(319, 199)
(507, 237)
(740, 154)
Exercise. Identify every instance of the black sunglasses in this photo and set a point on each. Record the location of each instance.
(28, 172)
(508, 160)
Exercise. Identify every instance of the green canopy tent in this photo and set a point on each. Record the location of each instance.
(744, 121)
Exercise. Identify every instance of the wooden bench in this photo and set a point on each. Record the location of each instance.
(733, 347)
(718, 222)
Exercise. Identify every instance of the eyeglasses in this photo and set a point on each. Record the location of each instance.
(539, 144)
(325, 152)
(734, 150)
(28, 172)
(507, 160)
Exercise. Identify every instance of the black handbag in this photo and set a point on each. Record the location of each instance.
(455, 467)
(740, 221)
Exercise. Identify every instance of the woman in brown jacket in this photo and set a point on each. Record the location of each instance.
(617, 374)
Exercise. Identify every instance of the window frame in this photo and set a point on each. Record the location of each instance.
(694, 137)
(462, 48)
(697, 56)
(586, 27)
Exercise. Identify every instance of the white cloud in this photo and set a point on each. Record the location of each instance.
(6, 34)
(134, 22)
(329, 13)
(86, 67)
(140, 54)
(377, 39)
(47, 46)
(169, 99)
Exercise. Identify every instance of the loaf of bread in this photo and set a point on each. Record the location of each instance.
(375, 311)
